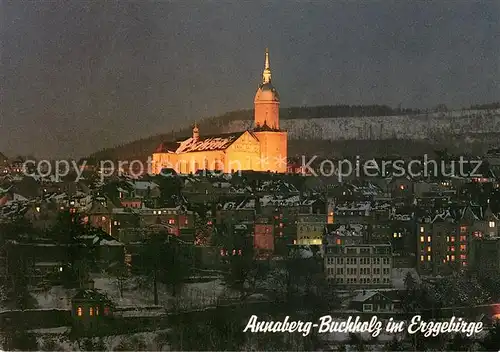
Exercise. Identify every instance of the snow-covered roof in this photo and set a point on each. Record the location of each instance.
(346, 230)
(354, 206)
(363, 296)
(110, 243)
(142, 185)
(203, 143)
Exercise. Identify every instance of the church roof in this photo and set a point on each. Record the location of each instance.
(203, 144)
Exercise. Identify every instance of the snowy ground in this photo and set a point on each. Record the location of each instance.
(57, 340)
(138, 291)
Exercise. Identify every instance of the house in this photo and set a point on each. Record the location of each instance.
(401, 187)
(310, 229)
(372, 301)
(100, 213)
(91, 309)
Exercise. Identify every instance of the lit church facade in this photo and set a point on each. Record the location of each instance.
(263, 148)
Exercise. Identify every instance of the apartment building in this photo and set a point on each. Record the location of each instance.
(360, 265)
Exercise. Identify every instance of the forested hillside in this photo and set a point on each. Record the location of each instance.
(336, 123)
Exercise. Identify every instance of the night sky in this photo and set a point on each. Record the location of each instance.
(77, 76)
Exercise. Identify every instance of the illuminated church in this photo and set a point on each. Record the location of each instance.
(263, 148)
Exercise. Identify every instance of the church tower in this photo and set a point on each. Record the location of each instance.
(196, 132)
(267, 100)
(273, 140)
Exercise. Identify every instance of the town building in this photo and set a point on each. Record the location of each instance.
(359, 265)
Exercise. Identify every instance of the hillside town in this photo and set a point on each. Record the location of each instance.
(169, 183)
(142, 247)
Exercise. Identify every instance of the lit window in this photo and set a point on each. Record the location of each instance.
(421, 258)
(464, 263)
(339, 241)
(492, 224)
(171, 221)
(463, 247)
(38, 209)
(103, 218)
(448, 258)
(96, 310)
(91, 311)
(428, 248)
(452, 249)
(429, 258)
(463, 228)
(79, 311)
(421, 229)
(452, 238)
(395, 235)
(463, 256)
(452, 258)
(239, 251)
(154, 212)
(447, 238)
(422, 239)
(399, 234)
(428, 238)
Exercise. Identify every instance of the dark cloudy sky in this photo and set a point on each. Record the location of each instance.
(79, 76)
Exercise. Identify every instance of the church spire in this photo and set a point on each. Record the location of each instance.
(266, 75)
(196, 132)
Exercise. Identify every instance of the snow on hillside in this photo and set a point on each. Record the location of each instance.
(386, 127)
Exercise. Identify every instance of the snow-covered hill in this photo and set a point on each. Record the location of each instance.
(387, 127)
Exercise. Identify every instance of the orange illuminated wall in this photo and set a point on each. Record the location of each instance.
(263, 237)
(267, 112)
(273, 149)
